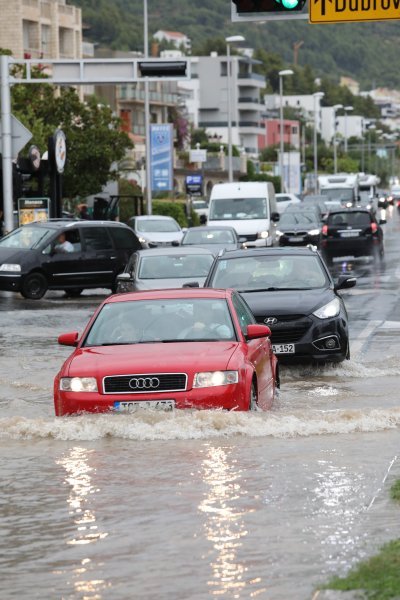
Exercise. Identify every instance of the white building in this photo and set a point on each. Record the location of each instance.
(179, 40)
(307, 105)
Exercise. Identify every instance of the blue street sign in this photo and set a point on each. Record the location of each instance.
(161, 145)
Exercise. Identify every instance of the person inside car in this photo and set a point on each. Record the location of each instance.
(63, 246)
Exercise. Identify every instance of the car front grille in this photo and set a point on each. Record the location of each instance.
(150, 383)
(295, 233)
(251, 238)
(288, 329)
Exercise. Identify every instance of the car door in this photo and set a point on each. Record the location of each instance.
(63, 269)
(259, 350)
(99, 257)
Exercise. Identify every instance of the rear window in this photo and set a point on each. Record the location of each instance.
(124, 239)
(350, 219)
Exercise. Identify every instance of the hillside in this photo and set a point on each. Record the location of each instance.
(368, 52)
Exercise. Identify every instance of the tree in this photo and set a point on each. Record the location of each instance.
(94, 139)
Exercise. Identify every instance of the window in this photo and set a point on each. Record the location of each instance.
(243, 312)
(97, 238)
(124, 239)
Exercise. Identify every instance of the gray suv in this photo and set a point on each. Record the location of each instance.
(68, 255)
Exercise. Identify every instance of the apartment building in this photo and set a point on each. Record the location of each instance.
(41, 29)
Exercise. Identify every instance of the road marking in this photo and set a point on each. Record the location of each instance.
(390, 325)
(357, 346)
(383, 483)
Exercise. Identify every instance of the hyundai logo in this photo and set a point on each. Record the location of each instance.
(270, 320)
(144, 383)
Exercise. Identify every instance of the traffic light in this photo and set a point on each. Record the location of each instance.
(267, 6)
(158, 68)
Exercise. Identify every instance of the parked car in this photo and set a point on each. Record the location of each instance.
(283, 200)
(160, 268)
(291, 291)
(350, 233)
(32, 260)
(213, 238)
(168, 349)
(299, 228)
(156, 230)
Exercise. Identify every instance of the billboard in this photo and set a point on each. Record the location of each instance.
(161, 148)
(33, 209)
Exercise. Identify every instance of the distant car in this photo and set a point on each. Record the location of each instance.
(299, 228)
(160, 268)
(350, 233)
(156, 230)
(168, 349)
(200, 207)
(285, 199)
(324, 203)
(314, 209)
(212, 237)
(291, 291)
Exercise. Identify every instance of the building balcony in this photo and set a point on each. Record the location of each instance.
(251, 80)
(250, 104)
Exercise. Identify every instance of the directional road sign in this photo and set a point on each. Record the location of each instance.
(339, 11)
(20, 136)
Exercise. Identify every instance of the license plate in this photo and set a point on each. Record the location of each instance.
(131, 407)
(299, 238)
(349, 234)
(283, 348)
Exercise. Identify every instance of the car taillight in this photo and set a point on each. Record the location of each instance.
(324, 230)
(374, 227)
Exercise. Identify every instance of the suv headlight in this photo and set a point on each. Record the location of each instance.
(214, 378)
(278, 233)
(78, 384)
(10, 267)
(329, 310)
(314, 232)
(142, 240)
(262, 235)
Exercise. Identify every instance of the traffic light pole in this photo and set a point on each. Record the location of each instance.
(6, 145)
(147, 114)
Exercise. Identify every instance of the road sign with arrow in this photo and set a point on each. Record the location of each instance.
(342, 11)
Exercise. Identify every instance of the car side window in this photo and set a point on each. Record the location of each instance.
(244, 314)
(125, 239)
(97, 238)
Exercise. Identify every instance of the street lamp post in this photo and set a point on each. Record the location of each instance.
(336, 107)
(346, 109)
(230, 40)
(282, 74)
(317, 97)
(147, 112)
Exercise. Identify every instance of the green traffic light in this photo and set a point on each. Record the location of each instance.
(289, 4)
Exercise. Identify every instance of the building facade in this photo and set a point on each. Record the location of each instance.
(41, 29)
(272, 133)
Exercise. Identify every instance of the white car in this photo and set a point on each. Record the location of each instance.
(156, 230)
(284, 200)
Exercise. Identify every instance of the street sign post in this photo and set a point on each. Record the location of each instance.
(20, 136)
(343, 11)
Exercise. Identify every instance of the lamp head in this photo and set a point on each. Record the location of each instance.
(232, 39)
(285, 72)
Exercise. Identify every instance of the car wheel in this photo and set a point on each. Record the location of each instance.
(253, 404)
(34, 286)
(74, 292)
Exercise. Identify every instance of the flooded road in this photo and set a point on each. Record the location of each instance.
(199, 505)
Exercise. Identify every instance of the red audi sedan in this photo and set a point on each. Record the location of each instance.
(165, 349)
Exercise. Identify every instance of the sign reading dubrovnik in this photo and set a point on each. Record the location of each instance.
(336, 11)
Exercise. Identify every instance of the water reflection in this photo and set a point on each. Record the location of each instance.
(80, 500)
(225, 527)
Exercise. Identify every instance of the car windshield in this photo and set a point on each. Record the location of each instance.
(215, 236)
(341, 194)
(164, 320)
(175, 266)
(300, 218)
(349, 219)
(268, 272)
(26, 237)
(229, 209)
(158, 225)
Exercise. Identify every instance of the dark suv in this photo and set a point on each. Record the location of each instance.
(32, 260)
(352, 232)
(291, 291)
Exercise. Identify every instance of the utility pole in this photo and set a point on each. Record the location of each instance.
(296, 48)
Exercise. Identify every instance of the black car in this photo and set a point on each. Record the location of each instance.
(299, 228)
(291, 291)
(213, 238)
(350, 233)
(91, 255)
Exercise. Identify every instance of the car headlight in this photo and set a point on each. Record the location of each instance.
(214, 378)
(262, 235)
(278, 233)
(314, 232)
(329, 310)
(10, 267)
(142, 240)
(78, 384)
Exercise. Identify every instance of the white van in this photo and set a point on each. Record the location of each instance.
(249, 207)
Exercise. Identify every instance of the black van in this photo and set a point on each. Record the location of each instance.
(32, 259)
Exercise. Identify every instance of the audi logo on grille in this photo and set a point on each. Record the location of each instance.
(270, 320)
(144, 383)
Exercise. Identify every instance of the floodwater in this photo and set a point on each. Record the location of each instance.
(197, 505)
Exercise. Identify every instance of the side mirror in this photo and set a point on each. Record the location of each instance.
(191, 284)
(255, 331)
(275, 216)
(176, 243)
(345, 282)
(124, 277)
(69, 339)
(382, 221)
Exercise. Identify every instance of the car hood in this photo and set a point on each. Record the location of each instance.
(179, 357)
(160, 236)
(14, 255)
(162, 284)
(287, 302)
(214, 248)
